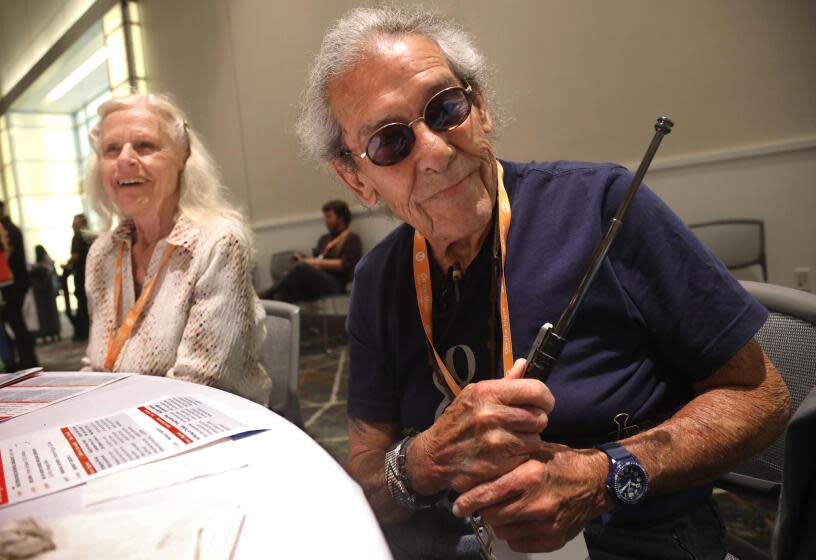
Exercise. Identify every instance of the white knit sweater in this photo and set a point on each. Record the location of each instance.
(203, 323)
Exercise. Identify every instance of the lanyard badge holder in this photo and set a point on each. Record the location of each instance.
(550, 340)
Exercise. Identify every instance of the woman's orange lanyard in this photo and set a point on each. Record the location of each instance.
(422, 285)
(117, 342)
(330, 245)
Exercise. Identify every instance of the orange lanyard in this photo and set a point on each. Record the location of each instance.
(334, 242)
(116, 342)
(422, 285)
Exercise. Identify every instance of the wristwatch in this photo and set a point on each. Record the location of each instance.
(396, 478)
(627, 480)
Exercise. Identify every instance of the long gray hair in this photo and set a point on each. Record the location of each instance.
(202, 196)
(346, 44)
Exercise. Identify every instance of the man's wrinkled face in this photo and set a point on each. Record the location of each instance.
(446, 186)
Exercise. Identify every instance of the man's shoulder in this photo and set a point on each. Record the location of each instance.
(385, 254)
(564, 169)
(568, 184)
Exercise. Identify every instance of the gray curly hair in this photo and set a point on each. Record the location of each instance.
(354, 36)
(202, 194)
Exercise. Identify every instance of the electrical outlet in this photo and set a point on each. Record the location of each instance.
(801, 278)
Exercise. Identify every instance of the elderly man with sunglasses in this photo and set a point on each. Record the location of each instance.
(660, 389)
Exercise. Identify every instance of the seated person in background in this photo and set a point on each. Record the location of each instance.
(169, 290)
(661, 375)
(331, 266)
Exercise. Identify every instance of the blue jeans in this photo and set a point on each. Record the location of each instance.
(697, 534)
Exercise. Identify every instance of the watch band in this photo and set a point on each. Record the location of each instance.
(396, 478)
(615, 450)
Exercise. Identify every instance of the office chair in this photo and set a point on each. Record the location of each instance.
(324, 308)
(280, 357)
(280, 263)
(737, 243)
(794, 538)
(788, 337)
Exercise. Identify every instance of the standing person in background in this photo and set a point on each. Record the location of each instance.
(331, 266)
(14, 293)
(6, 279)
(80, 244)
(44, 289)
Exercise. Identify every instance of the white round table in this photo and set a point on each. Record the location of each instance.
(299, 503)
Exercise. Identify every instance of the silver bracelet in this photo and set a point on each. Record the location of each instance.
(396, 479)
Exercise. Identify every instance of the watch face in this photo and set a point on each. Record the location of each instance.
(631, 483)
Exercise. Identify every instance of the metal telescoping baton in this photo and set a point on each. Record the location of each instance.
(550, 340)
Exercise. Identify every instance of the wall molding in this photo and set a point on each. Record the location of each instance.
(731, 154)
(360, 212)
(694, 160)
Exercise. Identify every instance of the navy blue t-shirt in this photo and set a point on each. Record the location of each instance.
(662, 313)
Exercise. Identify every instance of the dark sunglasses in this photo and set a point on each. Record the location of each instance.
(391, 143)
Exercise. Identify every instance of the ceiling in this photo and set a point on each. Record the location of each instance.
(33, 99)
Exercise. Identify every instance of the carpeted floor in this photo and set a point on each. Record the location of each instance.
(323, 389)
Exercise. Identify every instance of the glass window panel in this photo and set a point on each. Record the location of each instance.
(5, 147)
(47, 177)
(44, 211)
(112, 19)
(133, 12)
(92, 122)
(56, 240)
(141, 86)
(91, 108)
(84, 145)
(117, 57)
(38, 144)
(8, 181)
(40, 120)
(138, 54)
(12, 205)
(122, 89)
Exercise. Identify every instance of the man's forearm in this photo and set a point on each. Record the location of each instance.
(366, 465)
(716, 430)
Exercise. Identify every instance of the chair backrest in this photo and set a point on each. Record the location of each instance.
(280, 356)
(280, 263)
(737, 243)
(788, 337)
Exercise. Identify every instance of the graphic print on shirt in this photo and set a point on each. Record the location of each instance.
(439, 382)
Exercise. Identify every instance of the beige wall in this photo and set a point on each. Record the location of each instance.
(579, 80)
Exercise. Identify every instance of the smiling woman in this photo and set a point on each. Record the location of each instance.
(169, 289)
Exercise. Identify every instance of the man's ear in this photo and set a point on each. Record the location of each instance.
(359, 185)
(484, 113)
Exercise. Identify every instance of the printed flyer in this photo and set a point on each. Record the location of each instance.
(21, 394)
(50, 460)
